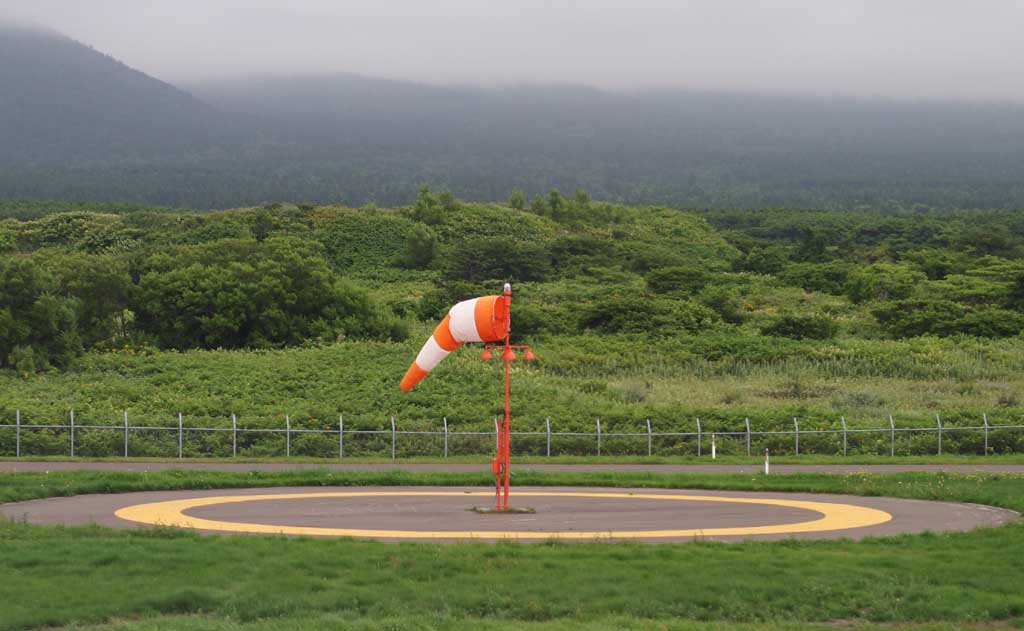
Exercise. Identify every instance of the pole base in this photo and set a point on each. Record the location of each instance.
(511, 510)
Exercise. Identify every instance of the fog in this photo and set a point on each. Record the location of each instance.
(934, 49)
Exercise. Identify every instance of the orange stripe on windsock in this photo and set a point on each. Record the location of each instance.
(443, 335)
(412, 377)
(487, 327)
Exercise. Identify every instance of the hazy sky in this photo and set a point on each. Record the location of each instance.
(903, 48)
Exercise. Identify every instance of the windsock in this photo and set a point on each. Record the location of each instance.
(484, 319)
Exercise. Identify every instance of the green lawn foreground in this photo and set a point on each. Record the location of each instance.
(161, 579)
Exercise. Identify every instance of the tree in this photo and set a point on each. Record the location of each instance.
(883, 281)
(676, 280)
(517, 199)
(427, 208)
(421, 247)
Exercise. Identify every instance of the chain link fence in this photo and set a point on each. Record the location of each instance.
(314, 438)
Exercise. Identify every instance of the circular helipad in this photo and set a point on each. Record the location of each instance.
(445, 513)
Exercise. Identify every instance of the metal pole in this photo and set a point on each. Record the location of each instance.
(126, 433)
(17, 433)
(287, 436)
(938, 423)
(497, 445)
(547, 424)
(892, 437)
(796, 435)
(766, 461)
(648, 437)
(984, 418)
(234, 435)
(842, 419)
(181, 434)
(713, 451)
(598, 437)
(445, 419)
(72, 433)
(698, 436)
(341, 437)
(392, 438)
(747, 421)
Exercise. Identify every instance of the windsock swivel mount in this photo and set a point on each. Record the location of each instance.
(484, 319)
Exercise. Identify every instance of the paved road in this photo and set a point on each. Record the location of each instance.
(17, 466)
(440, 513)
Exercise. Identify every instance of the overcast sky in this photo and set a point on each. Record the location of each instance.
(971, 49)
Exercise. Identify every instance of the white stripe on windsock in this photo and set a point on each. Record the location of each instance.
(463, 322)
(430, 355)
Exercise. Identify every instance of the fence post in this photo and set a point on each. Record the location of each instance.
(713, 452)
(72, 433)
(126, 433)
(287, 436)
(234, 435)
(842, 419)
(648, 437)
(892, 437)
(698, 436)
(445, 436)
(984, 418)
(796, 436)
(392, 437)
(17, 433)
(181, 433)
(747, 422)
(495, 434)
(341, 437)
(938, 423)
(598, 437)
(547, 425)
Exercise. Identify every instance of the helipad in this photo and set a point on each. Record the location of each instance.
(570, 513)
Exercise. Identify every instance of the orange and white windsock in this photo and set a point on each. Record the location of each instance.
(484, 319)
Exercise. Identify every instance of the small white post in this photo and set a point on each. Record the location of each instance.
(495, 434)
(766, 469)
(984, 420)
(234, 435)
(17, 433)
(796, 435)
(287, 436)
(698, 436)
(392, 438)
(938, 424)
(842, 419)
(72, 433)
(181, 436)
(747, 421)
(445, 419)
(547, 425)
(648, 437)
(713, 451)
(892, 437)
(126, 433)
(341, 437)
(598, 437)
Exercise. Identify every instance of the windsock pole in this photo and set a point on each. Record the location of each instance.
(507, 355)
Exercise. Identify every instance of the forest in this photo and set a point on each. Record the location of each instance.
(76, 124)
(634, 312)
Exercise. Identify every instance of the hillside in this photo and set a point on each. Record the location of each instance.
(64, 103)
(78, 125)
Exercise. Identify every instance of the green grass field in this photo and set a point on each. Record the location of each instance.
(168, 579)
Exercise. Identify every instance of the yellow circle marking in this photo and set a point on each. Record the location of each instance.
(833, 517)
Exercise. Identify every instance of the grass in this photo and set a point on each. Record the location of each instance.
(177, 579)
(722, 459)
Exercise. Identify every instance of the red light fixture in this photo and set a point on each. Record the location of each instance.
(508, 355)
(486, 354)
(529, 355)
